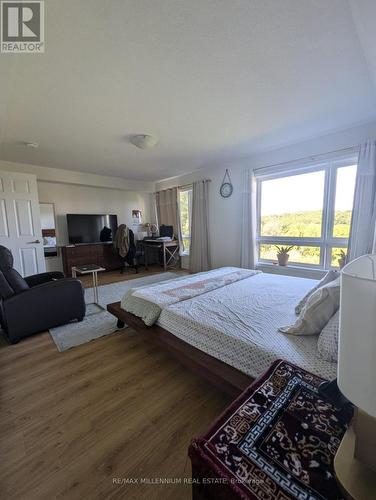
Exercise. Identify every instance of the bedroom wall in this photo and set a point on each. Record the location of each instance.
(87, 199)
(225, 214)
(46, 217)
(86, 193)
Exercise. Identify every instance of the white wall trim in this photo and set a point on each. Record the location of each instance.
(62, 176)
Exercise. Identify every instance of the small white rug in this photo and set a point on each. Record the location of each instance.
(98, 322)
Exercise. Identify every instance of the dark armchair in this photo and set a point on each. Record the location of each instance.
(36, 303)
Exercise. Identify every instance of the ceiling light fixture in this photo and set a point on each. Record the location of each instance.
(33, 145)
(144, 141)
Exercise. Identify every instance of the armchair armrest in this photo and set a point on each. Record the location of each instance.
(42, 307)
(38, 279)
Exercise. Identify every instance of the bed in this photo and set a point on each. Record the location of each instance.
(49, 242)
(230, 330)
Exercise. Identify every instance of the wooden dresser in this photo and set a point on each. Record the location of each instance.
(101, 254)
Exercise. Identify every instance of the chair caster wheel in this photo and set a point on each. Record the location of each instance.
(120, 324)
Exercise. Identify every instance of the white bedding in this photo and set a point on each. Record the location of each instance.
(148, 302)
(238, 324)
(49, 241)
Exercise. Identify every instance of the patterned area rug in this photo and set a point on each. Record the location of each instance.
(97, 321)
(277, 441)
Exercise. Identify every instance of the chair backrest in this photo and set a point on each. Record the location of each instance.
(5, 290)
(11, 282)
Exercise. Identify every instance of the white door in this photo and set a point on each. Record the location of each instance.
(20, 229)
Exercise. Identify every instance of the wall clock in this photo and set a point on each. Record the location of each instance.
(226, 188)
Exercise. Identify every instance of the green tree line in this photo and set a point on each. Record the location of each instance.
(303, 225)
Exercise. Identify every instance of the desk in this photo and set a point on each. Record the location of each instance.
(170, 251)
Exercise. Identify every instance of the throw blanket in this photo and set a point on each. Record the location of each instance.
(148, 302)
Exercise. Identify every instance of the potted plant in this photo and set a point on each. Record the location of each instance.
(283, 254)
(342, 258)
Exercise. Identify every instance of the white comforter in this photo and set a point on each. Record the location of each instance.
(238, 324)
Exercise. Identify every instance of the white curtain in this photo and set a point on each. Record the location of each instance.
(153, 214)
(363, 224)
(199, 253)
(248, 221)
(168, 211)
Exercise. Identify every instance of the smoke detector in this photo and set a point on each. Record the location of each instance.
(144, 141)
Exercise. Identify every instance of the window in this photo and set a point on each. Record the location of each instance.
(185, 210)
(310, 210)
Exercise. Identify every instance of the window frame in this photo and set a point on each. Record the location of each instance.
(327, 241)
(189, 189)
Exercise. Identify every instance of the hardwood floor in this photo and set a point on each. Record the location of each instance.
(129, 274)
(74, 423)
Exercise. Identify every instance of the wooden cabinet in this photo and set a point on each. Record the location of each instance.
(101, 254)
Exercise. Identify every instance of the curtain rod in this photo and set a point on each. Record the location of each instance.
(189, 184)
(311, 157)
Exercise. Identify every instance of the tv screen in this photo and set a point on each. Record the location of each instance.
(91, 228)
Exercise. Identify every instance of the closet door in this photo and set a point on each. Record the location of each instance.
(20, 229)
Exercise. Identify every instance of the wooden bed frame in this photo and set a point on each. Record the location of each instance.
(220, 374)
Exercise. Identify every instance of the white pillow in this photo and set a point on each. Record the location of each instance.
(320, 307)
(329, 276)
(327, 345)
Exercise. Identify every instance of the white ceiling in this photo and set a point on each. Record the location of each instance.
(211, 78)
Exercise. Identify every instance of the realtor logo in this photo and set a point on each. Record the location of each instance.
(22, 27)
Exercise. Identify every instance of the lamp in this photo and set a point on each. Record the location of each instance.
(355, 461)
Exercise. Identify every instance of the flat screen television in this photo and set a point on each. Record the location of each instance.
(90, 228)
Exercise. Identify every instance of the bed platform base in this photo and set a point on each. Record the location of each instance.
(223, 376)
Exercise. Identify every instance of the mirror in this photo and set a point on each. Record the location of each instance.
(48, 224)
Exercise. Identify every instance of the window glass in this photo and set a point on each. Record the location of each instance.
(337, 254)
(293, 206)
(185, 207)
(311, 211)
(298, 254)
